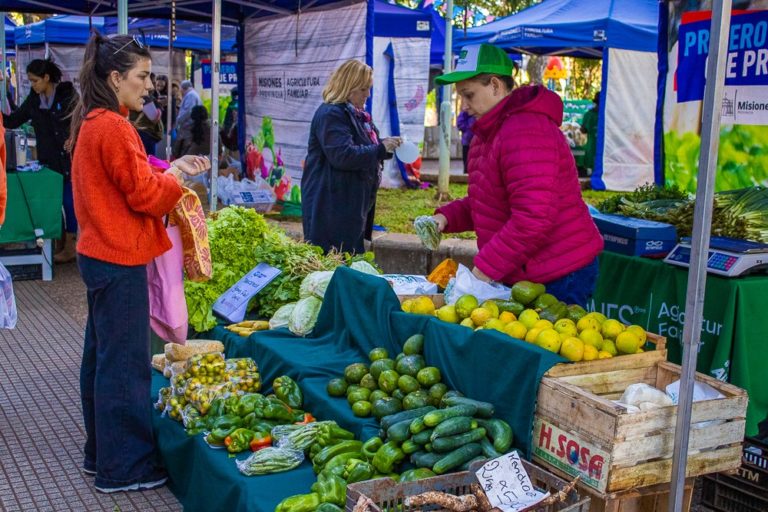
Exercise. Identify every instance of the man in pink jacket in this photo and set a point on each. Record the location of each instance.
(524, 199)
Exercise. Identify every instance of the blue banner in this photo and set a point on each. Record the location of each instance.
(227, 74)
(747, 62)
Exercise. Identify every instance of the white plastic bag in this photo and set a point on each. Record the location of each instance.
(645, 397)
(465, 283)
(701, 392)
(8, 316)
(405, 284)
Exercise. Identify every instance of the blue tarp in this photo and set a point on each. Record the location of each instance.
(572, 27)
(58, 29)
(390, 20)
(10, 35)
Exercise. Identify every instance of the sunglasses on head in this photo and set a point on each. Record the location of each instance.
(135, 40)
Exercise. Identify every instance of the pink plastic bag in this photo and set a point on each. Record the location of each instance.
(167, 305)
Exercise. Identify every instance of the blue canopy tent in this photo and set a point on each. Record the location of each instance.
(10, 36)
(625, 35)
(190, 35)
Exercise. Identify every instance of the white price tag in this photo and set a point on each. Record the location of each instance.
(507, 484)
(232, 304)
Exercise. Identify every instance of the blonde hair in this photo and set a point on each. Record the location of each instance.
(351, 75)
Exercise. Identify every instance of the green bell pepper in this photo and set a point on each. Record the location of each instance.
(328, 507)
(357, 470)
(249, 403)
(231, 403)
(217, 436)
(329, 452)
(279, 411)
(217, 408)
(299, 503)
(226, 421)
(331, 489)
(330, 433)
(416, 474)
(371, 446)
(239, 440)
(387, 457)
(341, 460)
(288, 391)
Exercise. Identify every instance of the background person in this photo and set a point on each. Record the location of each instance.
(589, 126)
(49, 108)
(524, 199)
(189, 100)
(194, 134)
(343, 164)
(121, 203)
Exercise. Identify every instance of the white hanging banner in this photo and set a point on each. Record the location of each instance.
(288, 60)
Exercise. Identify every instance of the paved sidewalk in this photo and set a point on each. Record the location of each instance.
(41, 432)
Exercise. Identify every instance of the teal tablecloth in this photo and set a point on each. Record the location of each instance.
(734, 345)
(359, 312)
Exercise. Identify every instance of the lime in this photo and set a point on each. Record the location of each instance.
(378, 353)
(355, 372)
(415, 400)
(336, 387)
(362, 408)
(381, 365)
(436, 392)
(413, 345)
(410, 365)
(398, 393)
(465, 305)
(386, 406)
(369, 382)
(408, 384)
(358, 395)
(388, 381)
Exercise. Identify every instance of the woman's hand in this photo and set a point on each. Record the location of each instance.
(441, 221)
(481, 275)
(192, 165)
(391, 143)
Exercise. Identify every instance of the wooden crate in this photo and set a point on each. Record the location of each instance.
(580, 431)
(654, 498)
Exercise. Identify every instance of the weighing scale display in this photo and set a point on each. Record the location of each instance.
(726, 256)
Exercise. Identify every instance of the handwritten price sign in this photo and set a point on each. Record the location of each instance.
(507, 484)
(232, 304)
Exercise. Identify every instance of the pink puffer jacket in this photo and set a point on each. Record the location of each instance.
(524, 200)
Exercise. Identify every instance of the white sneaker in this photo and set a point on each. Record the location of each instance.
(139, 486)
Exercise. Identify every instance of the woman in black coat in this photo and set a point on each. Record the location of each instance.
(343, 164)
(49, 108)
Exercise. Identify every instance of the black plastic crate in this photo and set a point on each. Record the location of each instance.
(29, 272)
(745, 491)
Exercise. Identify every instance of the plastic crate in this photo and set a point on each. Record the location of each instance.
(388, 495)
(25, 272)
(745, 491)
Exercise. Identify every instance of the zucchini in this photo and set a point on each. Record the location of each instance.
(388, 421)
(422, 437)
(500, 433)
(446, 444)
(424, 459)
(399, 431)
(417, 425)
(484, 409)
(432, 419)
(410, 447)
(457, 457)
(488, 449)
(454, 426)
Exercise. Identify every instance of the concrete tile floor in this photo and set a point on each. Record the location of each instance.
(41, 432)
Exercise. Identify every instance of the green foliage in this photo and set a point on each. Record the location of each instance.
(642, 194)
(742, 158)
(585, 78)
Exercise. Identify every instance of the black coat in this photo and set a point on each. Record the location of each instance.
(340, 180)
(51, 126)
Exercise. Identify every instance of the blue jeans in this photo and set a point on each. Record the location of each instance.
(576, 287)
(68, 202)
(115, 375)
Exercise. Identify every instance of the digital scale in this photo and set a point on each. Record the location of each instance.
(727, 256)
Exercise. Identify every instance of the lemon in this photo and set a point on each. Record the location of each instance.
(604, 355)
(549, 339)
(423, 306)
(572, 349)
(492, 307)
(627, 342)
(598, 316)
(566, 326)
(590, 353)
(611, 328)
(447, 313)
(516, 329)
(495, 323)
(507, 316)
(543, 324)
(531, 335)
(480, 315)
(528, 317)
(592, 337)
(465, 305)
(610, 347)
(588, 322)
(640, 332)
(407, 305)
(467, 322)
(639, 351)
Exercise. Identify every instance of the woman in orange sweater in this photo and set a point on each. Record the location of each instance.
(120, 202)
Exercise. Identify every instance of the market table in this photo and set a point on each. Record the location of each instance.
(359, 312)
(734, 345)
(34, 203)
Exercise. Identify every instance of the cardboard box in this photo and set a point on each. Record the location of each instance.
(635, 237)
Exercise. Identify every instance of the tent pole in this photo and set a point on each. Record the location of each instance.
(446, 115)
(122, 16)
(215, 64)
(3, 62)
(702, 223)
(169, 95)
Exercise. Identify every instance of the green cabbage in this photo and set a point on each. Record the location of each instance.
(304, 316)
